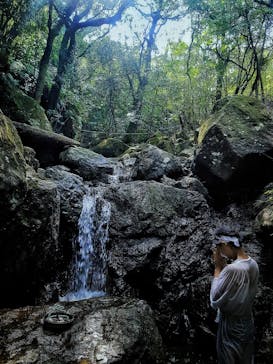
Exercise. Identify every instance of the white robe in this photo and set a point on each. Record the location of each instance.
(232, 293)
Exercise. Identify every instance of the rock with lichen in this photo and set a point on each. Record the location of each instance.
(12, 166)
(235, 151)
(20, 107)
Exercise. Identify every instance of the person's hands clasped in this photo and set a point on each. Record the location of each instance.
(219, 261)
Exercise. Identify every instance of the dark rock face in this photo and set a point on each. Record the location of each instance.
(108, 330)
(159, 242)
(12, 166)
(235, 154)
(29, 244)
(20, 107)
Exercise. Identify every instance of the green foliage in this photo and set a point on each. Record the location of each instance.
(230, 53)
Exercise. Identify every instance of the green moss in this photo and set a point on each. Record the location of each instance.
(110, 147)
(9, 136)
(203, 130)
(20, 107)
(162, 141)
(240, 117)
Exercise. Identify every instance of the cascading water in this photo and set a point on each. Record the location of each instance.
(90, 250)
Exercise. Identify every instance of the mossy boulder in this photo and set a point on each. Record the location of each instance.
(163, 142)
(235, 148)
(110, 147)
(244, 120)
(20, 107)
(12, 165)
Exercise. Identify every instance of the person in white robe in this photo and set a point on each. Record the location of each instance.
(233, 290)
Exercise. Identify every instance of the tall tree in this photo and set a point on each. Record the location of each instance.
(86, 14)
(54, 28)
(156, 13)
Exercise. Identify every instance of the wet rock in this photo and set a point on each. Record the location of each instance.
(12, 166)
(106, 330)
(158, 246)
(20, 107)
(236, 147)
(87, 164)
(71, 190)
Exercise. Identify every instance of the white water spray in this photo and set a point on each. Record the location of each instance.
(90, 249)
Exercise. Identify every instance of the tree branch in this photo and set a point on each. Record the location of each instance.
(96, 22)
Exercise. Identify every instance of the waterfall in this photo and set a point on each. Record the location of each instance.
(90, 260)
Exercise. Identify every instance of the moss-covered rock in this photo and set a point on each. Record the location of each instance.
(264, 206)
(110, 147)
(20, 107)
(242, 119)
(12, 165)
(163, 142)
(235, 148)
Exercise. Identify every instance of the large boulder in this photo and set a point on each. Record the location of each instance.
(105, 331)
(12, 166)
(236, 148)
(151, 163)
(87, 164)
(163, 142)
(158, 245)
(20, 107)
(47, 144)
(29, 248)
(110, 147)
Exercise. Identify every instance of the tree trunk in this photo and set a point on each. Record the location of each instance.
(45, 61)
(65, 59)
(221, 70)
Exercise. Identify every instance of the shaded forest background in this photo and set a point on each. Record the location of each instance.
(92, 87)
